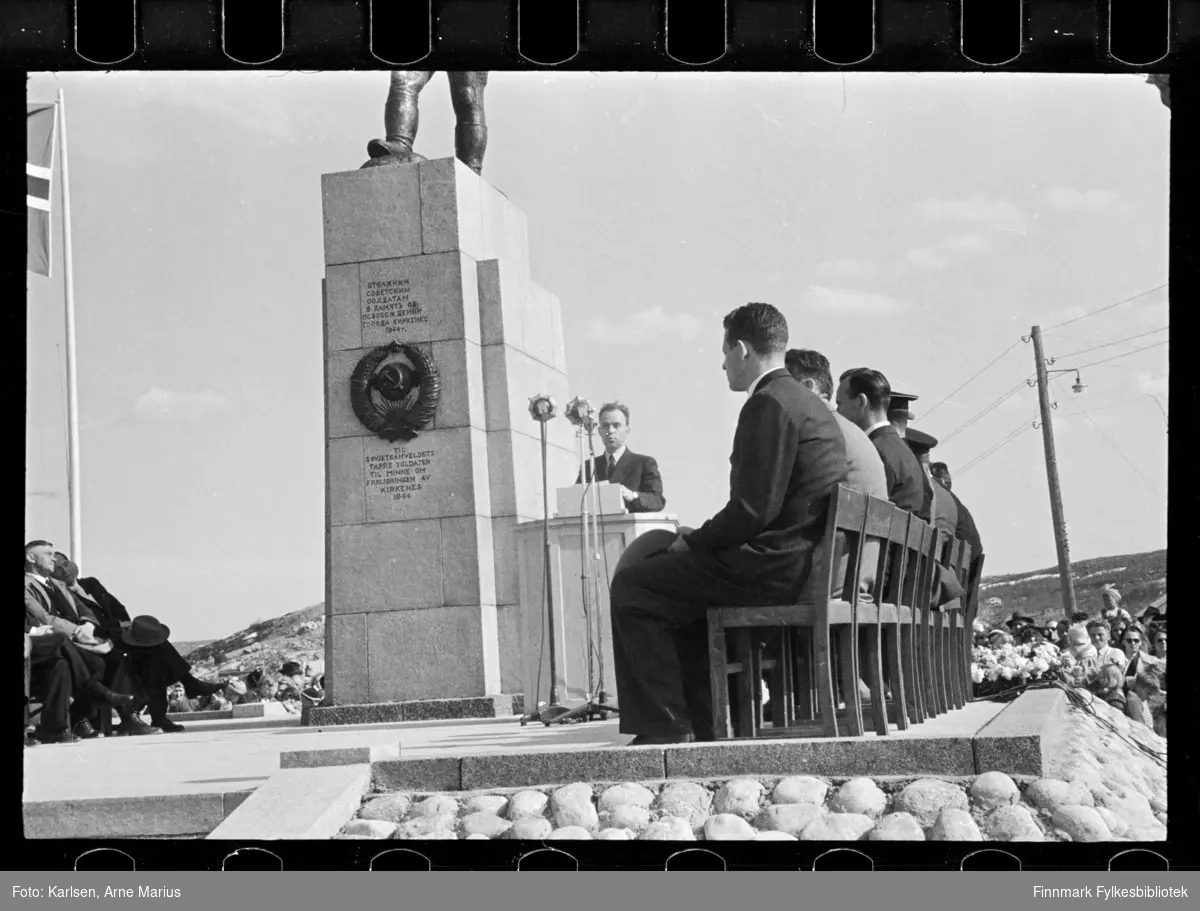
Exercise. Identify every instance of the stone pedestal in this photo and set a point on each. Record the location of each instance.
(571, 625)
(421, 589)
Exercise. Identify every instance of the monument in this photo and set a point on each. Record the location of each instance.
(435, 338)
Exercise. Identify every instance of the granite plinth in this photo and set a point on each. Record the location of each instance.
(298, 803)
(506, 770)
(1021, 739)
(898, 756)
(497, 706)
(159, 816)
(317, 759)
(417, 774)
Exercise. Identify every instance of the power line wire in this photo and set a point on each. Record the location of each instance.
(1116, 356)
(995, 447)
(964, 385)
(986, 410)
(1102, 309)
(1117, 342)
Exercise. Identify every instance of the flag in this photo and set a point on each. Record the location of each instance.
(40, 124)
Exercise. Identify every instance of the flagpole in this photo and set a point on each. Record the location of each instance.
(73, 487)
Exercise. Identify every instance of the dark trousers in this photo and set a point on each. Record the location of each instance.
(50, 681)
(660, 638)
(157, 667)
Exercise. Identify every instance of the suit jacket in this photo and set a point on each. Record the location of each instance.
(864, 468)
(637, 472)
(965, 529)
(788, 457)
(53, 605)
(945, 512)
(110, 611)
(905, 479)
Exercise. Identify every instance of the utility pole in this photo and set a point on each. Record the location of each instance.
(1056, 508)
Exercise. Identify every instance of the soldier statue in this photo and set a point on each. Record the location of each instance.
(400, 118)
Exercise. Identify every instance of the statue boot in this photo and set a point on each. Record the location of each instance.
(470, 143)
(391, 151)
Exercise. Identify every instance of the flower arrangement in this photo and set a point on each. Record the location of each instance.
(994, 670)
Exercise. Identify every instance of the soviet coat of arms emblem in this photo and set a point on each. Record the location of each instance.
(395, 391)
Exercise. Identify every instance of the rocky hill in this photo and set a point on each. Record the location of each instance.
(267, 644)
(1140, 578)
(300, 635)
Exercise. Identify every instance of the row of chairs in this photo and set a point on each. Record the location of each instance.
(881, 593)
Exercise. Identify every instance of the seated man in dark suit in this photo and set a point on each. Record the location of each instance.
(863, 397)
(788, 457)
(143, 640)
(945, 510)
(101, 676)
(965, 530)
(637, 475)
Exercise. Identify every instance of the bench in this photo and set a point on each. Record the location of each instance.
(877, 574)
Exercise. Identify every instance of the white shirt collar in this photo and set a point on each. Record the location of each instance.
(616, 456)
(39, 577)
(870, 430)
(757, 380)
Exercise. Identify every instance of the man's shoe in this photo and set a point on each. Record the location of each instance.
(63, 736)
(116, 700)
(644, 740)
(167, 726)
(85, 731)
(135, 727)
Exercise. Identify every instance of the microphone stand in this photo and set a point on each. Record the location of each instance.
(596, 707)
(541, 407)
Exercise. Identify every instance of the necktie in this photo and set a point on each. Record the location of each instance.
(611, 465)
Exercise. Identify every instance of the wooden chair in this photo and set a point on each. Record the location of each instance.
(917, 558)
(829, 604)
(885, 529)
(971, 610)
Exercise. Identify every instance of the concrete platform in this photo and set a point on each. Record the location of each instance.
(188, 783)
(499, 706)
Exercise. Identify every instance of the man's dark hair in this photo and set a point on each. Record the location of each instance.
(1079, 616)
(871, 383)
(32, 544)
(806, 364)
(939, 468)
(614, 406)
(1097, 624)
(760, 326)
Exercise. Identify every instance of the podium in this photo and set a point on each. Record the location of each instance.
(616, 531)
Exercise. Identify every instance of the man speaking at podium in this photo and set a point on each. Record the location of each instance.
(637, 475)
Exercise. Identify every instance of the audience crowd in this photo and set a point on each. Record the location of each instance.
(1116, 657)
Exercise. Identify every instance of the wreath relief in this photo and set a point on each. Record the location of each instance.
(395, 391)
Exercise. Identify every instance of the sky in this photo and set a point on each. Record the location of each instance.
(919, 224)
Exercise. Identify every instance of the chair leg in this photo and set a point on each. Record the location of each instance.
(826, 698)
(719, 674)
(939, 664)
(803, 642)
(848, 662)
(744, 684)
(896, 680)
(927, 672)
(912, 687)
(875, 679)
(955, 657)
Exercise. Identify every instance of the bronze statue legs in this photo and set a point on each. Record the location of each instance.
(401, 116)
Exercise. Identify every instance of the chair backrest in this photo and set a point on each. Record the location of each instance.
(920, 546)
(884, 535)
(844, 530)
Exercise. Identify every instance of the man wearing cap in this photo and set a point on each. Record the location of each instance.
(143, 639)
(966, 529)
(1018, 622)
(863, 397)
(945, 512)
(899, 413)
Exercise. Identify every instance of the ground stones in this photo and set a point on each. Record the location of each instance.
(741, 797)
(488, 825)
(1012, 824)
(669, 828)
(727, 827)
(837, 827)
(955, 825)
(686, 800)
(487, 803)
(529, 828)
(897, 827)
(531, 804)
(625, 794)
(994, 789)
(1047, 793)
(390, 808)
(800, 789)
(927, 797)
(859, 796)
(789, 817)
(1082, 824)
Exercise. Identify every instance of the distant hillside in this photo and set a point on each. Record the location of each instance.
(186, 648)
(1140, 578)
(298, 636)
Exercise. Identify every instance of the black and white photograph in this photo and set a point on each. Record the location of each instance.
(559, 456)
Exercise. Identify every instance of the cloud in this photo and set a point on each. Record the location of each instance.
(937, 256)
(848, 300)
(163, 405)
(993, 212)
(845, 268)
(1068, 199)
(926, 258)
(645, 327)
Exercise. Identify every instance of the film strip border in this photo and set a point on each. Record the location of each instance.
(1111, 36)
(1020, 35)
(166, 854)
